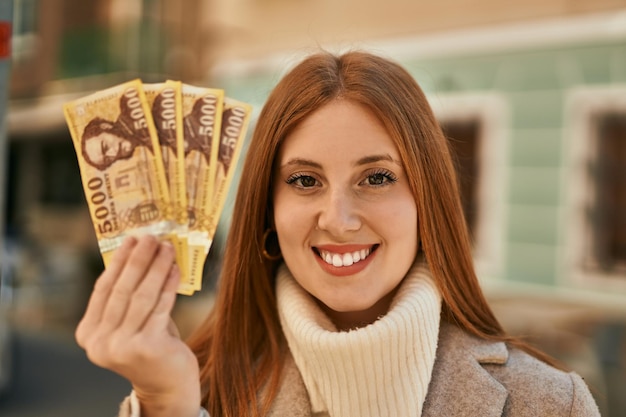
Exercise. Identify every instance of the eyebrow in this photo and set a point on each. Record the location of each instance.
(303, 162)
(376, 158)
(362, 161)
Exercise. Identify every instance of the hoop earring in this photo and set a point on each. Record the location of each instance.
(270, 236)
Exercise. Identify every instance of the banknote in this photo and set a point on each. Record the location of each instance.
(158, 159)
(235, 120)
(202, 117)
(121, 165)
(165, 101)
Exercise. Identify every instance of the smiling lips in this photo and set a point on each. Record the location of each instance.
(344, 261)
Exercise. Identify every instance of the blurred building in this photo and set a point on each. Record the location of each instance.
(532, 95)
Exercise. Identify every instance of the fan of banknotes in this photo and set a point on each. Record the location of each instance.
(158, 159)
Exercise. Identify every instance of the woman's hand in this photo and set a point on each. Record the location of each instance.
(127, 328)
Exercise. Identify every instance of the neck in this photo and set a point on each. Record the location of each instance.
(350, 320)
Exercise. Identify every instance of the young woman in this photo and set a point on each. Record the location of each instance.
(347, 287)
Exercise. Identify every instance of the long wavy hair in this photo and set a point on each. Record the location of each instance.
(241, 347)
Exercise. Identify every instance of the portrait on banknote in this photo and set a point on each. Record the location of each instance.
(104, 142)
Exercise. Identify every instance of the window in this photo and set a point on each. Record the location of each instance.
(61, 184)
(475, 125)
(594, 230)
(464, 137)
(608, 211)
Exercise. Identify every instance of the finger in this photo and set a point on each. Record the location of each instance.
(133, 273)
(149, 290)
(102, 289)
(161, 315)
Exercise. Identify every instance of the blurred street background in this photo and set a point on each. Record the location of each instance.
(532, 96)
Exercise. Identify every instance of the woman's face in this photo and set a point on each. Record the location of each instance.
(345, 216)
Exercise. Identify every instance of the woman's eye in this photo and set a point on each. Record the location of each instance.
(376, 179)
(380, 178)
(303, 181)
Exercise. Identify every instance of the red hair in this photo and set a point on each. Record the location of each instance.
(241, 347)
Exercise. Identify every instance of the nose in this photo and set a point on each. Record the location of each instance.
(339, 214)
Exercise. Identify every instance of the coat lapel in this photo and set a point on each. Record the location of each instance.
(460, 385)
(292, 398)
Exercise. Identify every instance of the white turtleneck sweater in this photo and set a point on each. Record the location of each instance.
(382, 369)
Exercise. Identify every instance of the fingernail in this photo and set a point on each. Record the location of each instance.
(167, 246)
(127, 244)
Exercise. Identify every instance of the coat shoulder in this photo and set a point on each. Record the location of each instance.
(536, 388)
(474, 376)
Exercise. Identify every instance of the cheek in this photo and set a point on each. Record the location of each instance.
(294, 220)
(291, 221)
(400, 221)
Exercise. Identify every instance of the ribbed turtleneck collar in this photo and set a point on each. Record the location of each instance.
(382, 369)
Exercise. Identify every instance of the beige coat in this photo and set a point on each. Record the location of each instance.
(476, 378)
(471, 378)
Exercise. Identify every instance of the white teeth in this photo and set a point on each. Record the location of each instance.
(346, 259)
